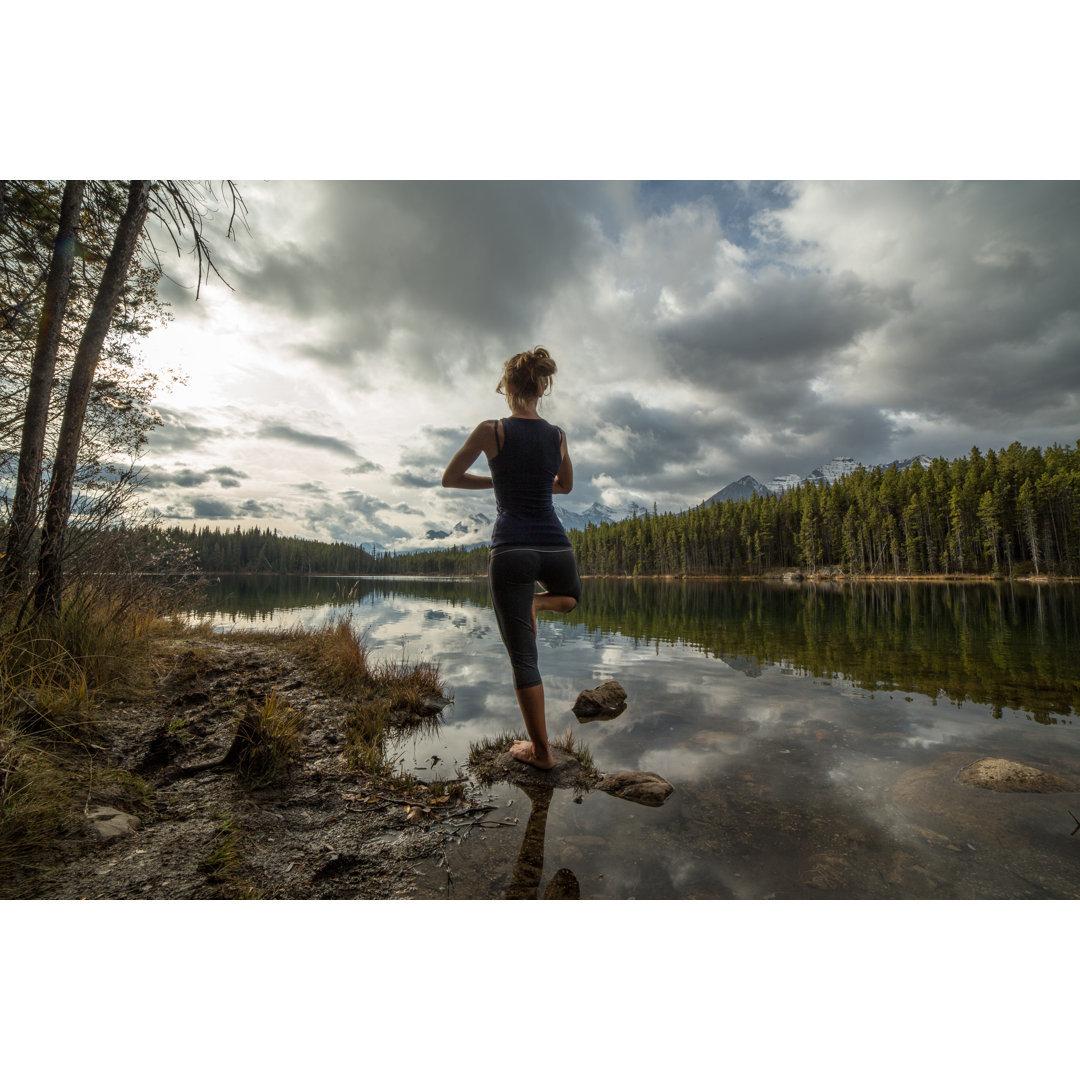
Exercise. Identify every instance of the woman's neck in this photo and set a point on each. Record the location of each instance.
(528, 413)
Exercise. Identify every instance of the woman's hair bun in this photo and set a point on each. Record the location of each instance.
(527, 376)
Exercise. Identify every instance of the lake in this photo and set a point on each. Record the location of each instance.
(812, 733)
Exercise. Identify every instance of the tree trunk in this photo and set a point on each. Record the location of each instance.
(25, 505)
(50, 562)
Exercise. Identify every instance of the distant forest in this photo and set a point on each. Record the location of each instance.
(262, 551)
(993, 513)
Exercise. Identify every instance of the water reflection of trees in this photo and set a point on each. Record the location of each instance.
(1008, 646)
(261, 597)
(1001, 645)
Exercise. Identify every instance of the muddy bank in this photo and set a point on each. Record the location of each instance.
(183, 825)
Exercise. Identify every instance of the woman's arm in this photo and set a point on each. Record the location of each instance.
(482, 440)
(564, 480)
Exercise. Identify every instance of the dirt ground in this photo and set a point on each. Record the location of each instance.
(317, 832)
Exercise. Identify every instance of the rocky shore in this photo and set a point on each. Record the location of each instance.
(167, 814)
(169, 818)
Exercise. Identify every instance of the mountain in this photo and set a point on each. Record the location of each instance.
(740, 489)
(831, 471)
(781, 483)
(597, 514)
(922, 459)
(475, 529)
(828, 473)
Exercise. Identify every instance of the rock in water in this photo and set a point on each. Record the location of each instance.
(646, 788)
(998, 774)
(606, 699)
(504, 767)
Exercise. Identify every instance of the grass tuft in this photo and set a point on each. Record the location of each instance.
(225, 861)
(267, 739)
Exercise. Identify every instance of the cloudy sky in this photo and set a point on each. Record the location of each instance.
(702, 331)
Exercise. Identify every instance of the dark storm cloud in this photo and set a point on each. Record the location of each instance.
(286, 433)
(992, 332)
(785, 326)
(411, 479)
(181, 431)
(162, 478)
(358, 502)
(228, 477)
(219, 510)
(212, 509)
(673, 454)
(443, 267)
(636, 442)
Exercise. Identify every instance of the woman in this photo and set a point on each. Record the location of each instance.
(529, 463)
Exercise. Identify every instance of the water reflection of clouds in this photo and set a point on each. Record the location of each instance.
(777, 739)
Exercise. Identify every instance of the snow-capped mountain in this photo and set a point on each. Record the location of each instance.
(597, 514)
(833, 470)
(922, 459)
(781, 483)
(828, 473)
(476, 529)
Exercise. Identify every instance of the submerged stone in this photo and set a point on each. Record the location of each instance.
(647, 788)
(563, 886)
(999, 774)
(609, 698)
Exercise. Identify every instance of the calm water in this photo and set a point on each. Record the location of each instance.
(812, 734)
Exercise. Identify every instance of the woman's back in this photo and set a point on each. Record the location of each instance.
(522, 473)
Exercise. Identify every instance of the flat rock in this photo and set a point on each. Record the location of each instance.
(647, 788)
(109, 822)
(998, 774)
(609, 698)
(565, 773)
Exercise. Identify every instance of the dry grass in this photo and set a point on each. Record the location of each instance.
(267, 739)
(52, 672)
(385, 695)
(224, 863)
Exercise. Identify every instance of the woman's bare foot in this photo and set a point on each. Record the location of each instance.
(522, 750)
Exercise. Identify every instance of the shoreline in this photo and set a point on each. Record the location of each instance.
(790, 576)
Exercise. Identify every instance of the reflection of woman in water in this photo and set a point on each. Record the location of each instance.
(529, 463)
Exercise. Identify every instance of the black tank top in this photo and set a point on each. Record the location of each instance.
(522, 473)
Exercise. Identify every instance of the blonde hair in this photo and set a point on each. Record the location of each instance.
(526, 377)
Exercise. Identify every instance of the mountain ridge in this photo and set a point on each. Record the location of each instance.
(827, 473)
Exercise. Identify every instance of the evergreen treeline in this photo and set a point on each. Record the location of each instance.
(984, 513)
(455, 560)
(258, 550)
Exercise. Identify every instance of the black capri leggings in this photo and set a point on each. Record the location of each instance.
(512, 576)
